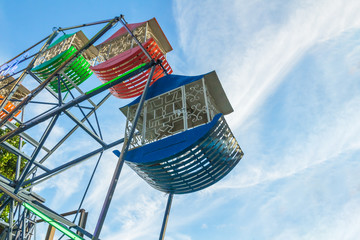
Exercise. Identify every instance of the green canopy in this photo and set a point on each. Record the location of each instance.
(77, 72)
(60, 39)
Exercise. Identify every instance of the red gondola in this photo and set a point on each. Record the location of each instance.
(126, 61)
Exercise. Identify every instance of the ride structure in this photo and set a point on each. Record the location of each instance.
(176, 137)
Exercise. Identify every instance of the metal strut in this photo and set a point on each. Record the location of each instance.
(166, 216)
(120, 162)
(26, 50)
(123, 22)
(85, 25)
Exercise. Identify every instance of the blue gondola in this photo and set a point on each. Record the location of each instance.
(184, 143)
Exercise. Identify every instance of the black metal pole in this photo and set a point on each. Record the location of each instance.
(85, 25)
(135, 38)
(120, 162)
(123, 22)
(26, 50)
(166, 216)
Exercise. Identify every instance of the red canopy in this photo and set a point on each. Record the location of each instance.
(126, 61)
(122, 30)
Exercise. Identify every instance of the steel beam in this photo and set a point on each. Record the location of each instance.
(85, 128)
(5, 179)
(74, 128)
(166, 216)
(70, 164)
(123, 22)
(35, 153)
(85, 25)
(78, 89)
(11, 219)
(10, 192)
(70, 133)
(52, 214)
(26, 137)
(14, 150)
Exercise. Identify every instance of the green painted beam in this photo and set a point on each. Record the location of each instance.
(122, 75)
(52, 222)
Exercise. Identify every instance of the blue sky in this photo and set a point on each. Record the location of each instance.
(290, 70)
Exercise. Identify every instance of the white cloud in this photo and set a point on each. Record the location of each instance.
(250, 70)
(318, 117)
(315, 148)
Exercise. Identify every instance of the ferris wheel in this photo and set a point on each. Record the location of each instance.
(175, 138)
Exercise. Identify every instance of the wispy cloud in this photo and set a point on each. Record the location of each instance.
(251, 64)
(291, 82)
(326, 142)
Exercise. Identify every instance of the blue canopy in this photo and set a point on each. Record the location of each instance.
(165, 84)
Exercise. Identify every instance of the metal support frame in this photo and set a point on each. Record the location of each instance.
(18, 162)
(39, 145)
(85, 128)
(18, 190)
(92, 133)
(19, 153)
(28, 165)
(86, 25)
(26, 137)
(166, 216)
(65, 166)
(95, 107)
(71, 131)
(62, 66)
